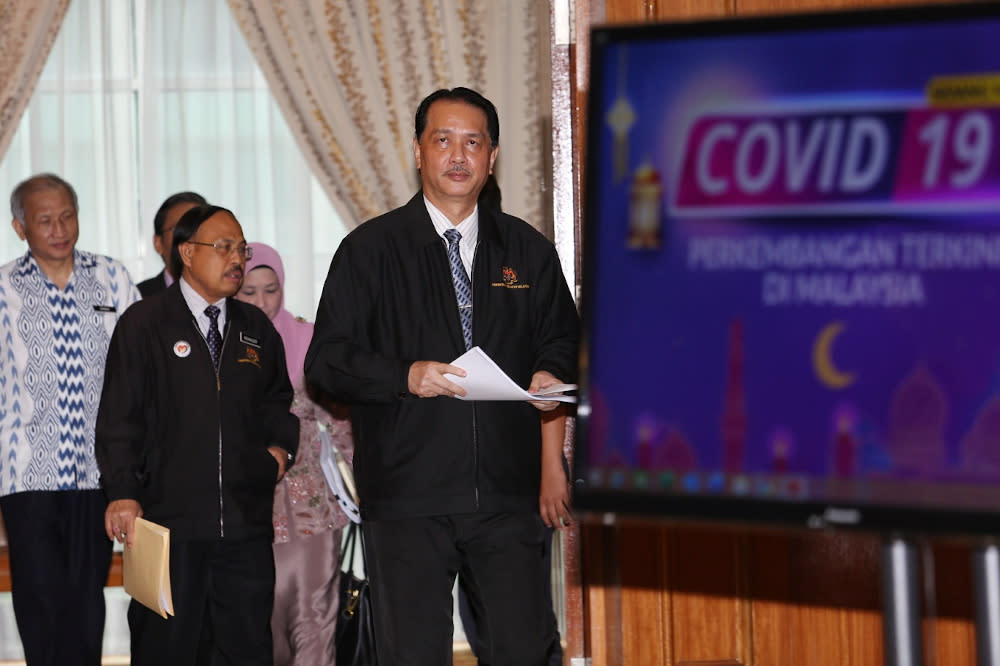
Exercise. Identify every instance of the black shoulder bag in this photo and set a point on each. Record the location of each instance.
(355, 635)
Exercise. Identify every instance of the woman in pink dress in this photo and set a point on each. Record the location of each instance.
(307, 518)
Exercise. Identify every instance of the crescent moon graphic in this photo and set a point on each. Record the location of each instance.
(822, 358)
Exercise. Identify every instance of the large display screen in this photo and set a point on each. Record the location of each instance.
(791, 285)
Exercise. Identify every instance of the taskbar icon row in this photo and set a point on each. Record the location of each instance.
(708, 482)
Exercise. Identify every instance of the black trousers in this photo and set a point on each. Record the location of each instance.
(500, 561)
(223, 593)
(469, 622)
(59, 563)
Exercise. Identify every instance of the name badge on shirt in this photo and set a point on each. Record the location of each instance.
(246, 339)
(105, 308)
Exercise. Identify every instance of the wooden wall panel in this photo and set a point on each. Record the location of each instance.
(666, 596)
(661, 595)
(635, 11)
(645, 603)
(747, 7)
(599, 572)
(949, 633)
(632, 11)
(770, 588)
(629, 11)
(689, 9)
(708, 585)
(835, 587)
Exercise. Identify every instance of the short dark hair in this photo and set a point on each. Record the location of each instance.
(40, 181)
(468, 96)
(186, 228)
(181, 197)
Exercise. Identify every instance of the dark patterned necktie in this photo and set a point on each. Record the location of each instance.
(463, 286)
(213, 337)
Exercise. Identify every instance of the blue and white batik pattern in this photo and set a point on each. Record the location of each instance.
(53, 345)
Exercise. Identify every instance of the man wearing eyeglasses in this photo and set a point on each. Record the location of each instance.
(193, 432)
(164, 223)
(58, 308)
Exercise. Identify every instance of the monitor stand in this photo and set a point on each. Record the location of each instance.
(986, 588)
(901, 603)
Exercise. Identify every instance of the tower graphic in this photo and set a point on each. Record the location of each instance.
(734, 409)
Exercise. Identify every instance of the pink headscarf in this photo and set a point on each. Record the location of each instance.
(294, 333)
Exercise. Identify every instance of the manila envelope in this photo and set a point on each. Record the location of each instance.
(146, 567)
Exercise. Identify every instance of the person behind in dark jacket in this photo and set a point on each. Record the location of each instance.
(164, 223)
(448, 487)
(193, 432)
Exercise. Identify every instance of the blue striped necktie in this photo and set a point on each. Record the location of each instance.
(463, 286)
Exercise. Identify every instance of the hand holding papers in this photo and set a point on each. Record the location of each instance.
(486, 381)
(146, 567)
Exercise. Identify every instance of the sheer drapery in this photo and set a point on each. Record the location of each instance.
(27, 30)
(143, 98)
(349, 75)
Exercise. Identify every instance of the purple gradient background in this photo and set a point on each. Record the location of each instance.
(659, 332)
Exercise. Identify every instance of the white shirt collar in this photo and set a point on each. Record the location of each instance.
(469, 228)
(197, 305)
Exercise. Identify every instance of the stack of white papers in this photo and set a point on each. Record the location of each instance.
(486, 381)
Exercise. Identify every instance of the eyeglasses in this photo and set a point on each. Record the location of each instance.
(225, 248)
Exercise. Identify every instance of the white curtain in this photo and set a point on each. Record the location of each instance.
(144, 98)
(349, 76)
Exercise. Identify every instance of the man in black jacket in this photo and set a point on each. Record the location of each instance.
(193, 432)
(448, 486)
(164, 223)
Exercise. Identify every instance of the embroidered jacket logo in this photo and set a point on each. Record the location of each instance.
(252, 357)
(508, 278)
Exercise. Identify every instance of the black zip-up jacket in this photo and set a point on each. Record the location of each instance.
(388, 302)
(192, 450)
